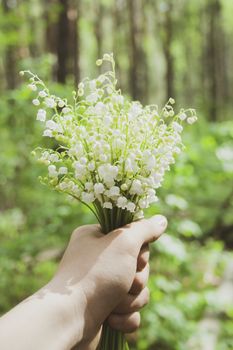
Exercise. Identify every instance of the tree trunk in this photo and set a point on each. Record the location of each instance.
(118, 43)
(133, 50)
(74, 39)
(99, 9)
(168, 38)
(216, 76)
(212, 60)
(137, 56)
(50, 27)
(10, 57)
(62, 42)
(144, 67)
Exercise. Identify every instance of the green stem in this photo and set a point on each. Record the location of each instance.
(114, 218)
(112, 339)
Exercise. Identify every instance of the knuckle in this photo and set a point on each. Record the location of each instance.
(140, 280)
(142, 261)
(113, 321)
(117, 322)
(75, 233)
(146, 295)
(133, 323)
(128, 241)
(84, 230)
(155, 235)
(127, 324)
(144, 258)
(139, 283)
(141, 300)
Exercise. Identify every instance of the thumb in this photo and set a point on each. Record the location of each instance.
(143, 231)
(147, 230)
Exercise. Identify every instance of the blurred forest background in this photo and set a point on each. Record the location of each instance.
(163, 48)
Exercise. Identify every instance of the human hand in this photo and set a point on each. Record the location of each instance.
(99, 277)
(106, 276)
(126, 317)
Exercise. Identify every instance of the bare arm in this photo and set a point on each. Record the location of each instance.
(99, 277)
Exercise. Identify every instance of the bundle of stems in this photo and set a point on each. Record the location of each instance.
(112, 219)
(112, 339)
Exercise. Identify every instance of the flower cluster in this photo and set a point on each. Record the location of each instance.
(112, 153)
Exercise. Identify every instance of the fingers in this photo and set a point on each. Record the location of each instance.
(143, 257)
(132, 303)
(125, 323)
(125, 316)
(140, 281)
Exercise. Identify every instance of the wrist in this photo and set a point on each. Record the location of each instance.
(65, 310)
(50, 318)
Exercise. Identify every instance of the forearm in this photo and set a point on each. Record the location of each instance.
(46, 320)
(99, 275)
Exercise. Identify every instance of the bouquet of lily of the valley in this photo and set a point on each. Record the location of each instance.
(111, 154)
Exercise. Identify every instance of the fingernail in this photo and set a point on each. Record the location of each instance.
(161, 220)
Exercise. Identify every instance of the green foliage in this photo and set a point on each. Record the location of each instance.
(32, 219)
(189, 263)
(35, 225)
(185, 273)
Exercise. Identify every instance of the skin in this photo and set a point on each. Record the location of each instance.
(99, 277)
